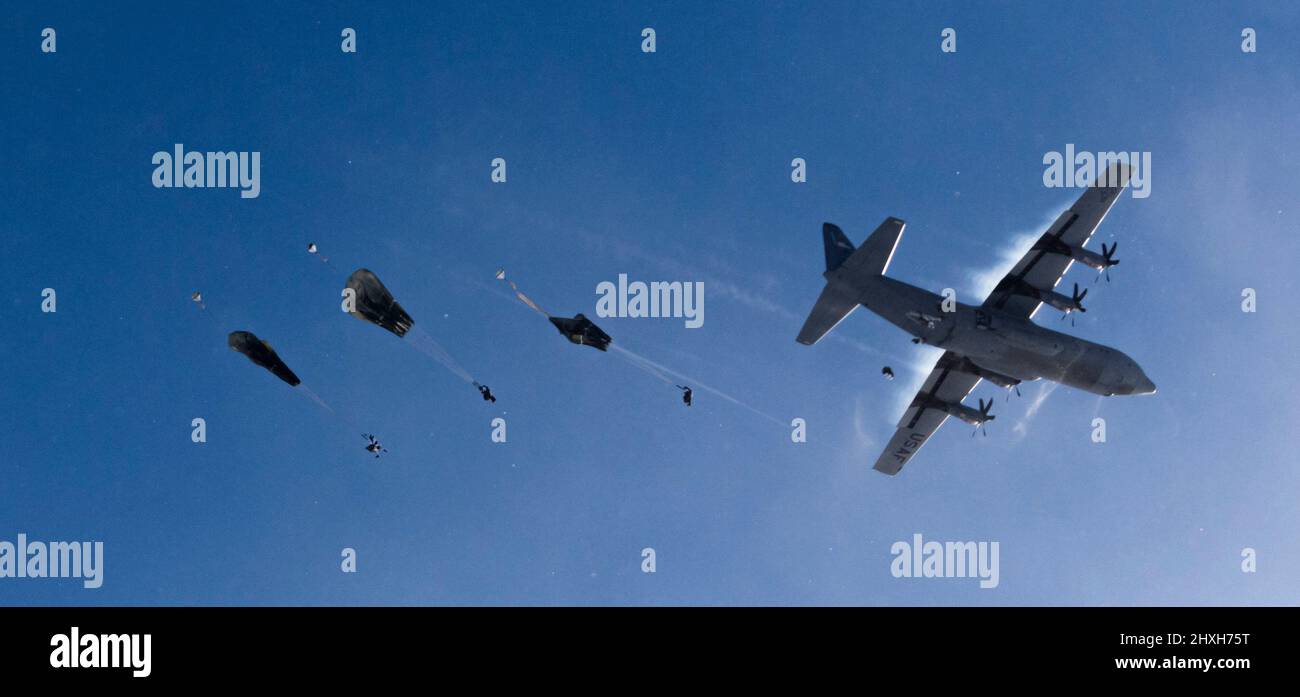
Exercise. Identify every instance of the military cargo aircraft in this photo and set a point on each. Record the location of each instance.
(996, 340)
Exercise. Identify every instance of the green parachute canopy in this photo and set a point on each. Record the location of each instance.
(376, 305)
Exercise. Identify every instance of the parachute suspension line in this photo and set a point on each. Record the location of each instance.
(334, 270)
(376, 304)
(693, 382)
(311, 394)
(347, 413)
(427, 345)
(639, 363)
(326, 265)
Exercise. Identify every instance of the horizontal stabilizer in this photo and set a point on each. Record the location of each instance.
(833, 305)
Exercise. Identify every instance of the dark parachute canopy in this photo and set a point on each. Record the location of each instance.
(261, 353)
(376, 305)
(577, 329)
(581, 330)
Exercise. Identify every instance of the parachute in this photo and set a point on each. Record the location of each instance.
(577, 329)
(581, 330)
(262, 354)
(313, 250)
(376, 305)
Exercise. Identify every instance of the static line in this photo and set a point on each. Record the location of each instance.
(694, 383)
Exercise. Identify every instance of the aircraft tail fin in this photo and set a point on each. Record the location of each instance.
(873, 257)
(839, 297)
(838, 246)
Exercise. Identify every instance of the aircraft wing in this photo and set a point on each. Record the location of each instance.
(1043, 269)
(919, 422)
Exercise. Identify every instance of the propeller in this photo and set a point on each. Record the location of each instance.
(1015, 387)
(1108, 254)
(1076, 299)
(985, 416)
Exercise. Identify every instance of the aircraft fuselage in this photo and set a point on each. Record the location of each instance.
(1012, 346)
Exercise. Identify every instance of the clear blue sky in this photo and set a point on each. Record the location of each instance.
(670, 166)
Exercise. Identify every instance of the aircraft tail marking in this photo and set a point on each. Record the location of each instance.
(838, 246)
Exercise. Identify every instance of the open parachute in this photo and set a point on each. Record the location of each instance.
(581, 330)
(374, 304)
(262, 354)
(577, 329)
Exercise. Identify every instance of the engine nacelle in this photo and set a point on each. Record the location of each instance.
(971, 416)
(1064, 303)
(1089, 258)
(974, 417)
